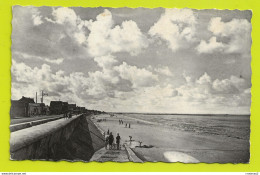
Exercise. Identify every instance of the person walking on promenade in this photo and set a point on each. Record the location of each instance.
(64, 116)
(118, 141)
(111, 140)
(108, 132)
(129, 125)
(106, 141)
(126, 125)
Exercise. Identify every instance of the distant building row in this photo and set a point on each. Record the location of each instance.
(26, 107)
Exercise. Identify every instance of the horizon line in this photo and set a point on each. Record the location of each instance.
(174, 113)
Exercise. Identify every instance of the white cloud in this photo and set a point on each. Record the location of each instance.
(80, 37)
(106, 62)
(227, 92)
(55, 61)
(36, 16)
(114, 87)
(26, 81)
(124, 86)
(192, 97)
(238, 31)
(64, 15)
(49, 20)
(195, 96)
(238, 82)
(25, 74)
(72, 23)
(105, 39)
(101, 36)
(176, 26)
(233, 27)
(113, 78)
(211, 46)
(37, 20)
(204, 79)
(164, 71)
(186, 77)
(139, 77)
(224, 86)
(34, 57)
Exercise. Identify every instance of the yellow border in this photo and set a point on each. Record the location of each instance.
(5, 83)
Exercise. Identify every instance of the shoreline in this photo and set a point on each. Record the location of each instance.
(172, 144)
(147, 113)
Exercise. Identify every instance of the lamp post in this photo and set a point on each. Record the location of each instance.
(43, 94)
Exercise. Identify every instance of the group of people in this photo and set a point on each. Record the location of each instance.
(129, 125)
(121, 122)
(102, 120)
(67, 115)
(110, 141)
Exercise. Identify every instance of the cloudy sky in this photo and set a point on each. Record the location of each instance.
(134, 60)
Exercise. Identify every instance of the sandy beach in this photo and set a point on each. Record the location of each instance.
(170, 144)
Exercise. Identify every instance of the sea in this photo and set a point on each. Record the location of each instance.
(234, 126)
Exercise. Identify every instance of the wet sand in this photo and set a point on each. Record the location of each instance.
(171, 145)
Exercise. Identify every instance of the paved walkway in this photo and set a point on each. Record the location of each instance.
(104, 155)
(30, 119)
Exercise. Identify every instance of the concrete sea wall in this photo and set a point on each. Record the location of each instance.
(72, 139)
(19, 126)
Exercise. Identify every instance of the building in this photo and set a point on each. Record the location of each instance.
(47, 110)
(82, 109)
(56, 107)
(36, 109)
(65, 107)
(77, 111)
(72, 107)
(26, 100)
(20, 108)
